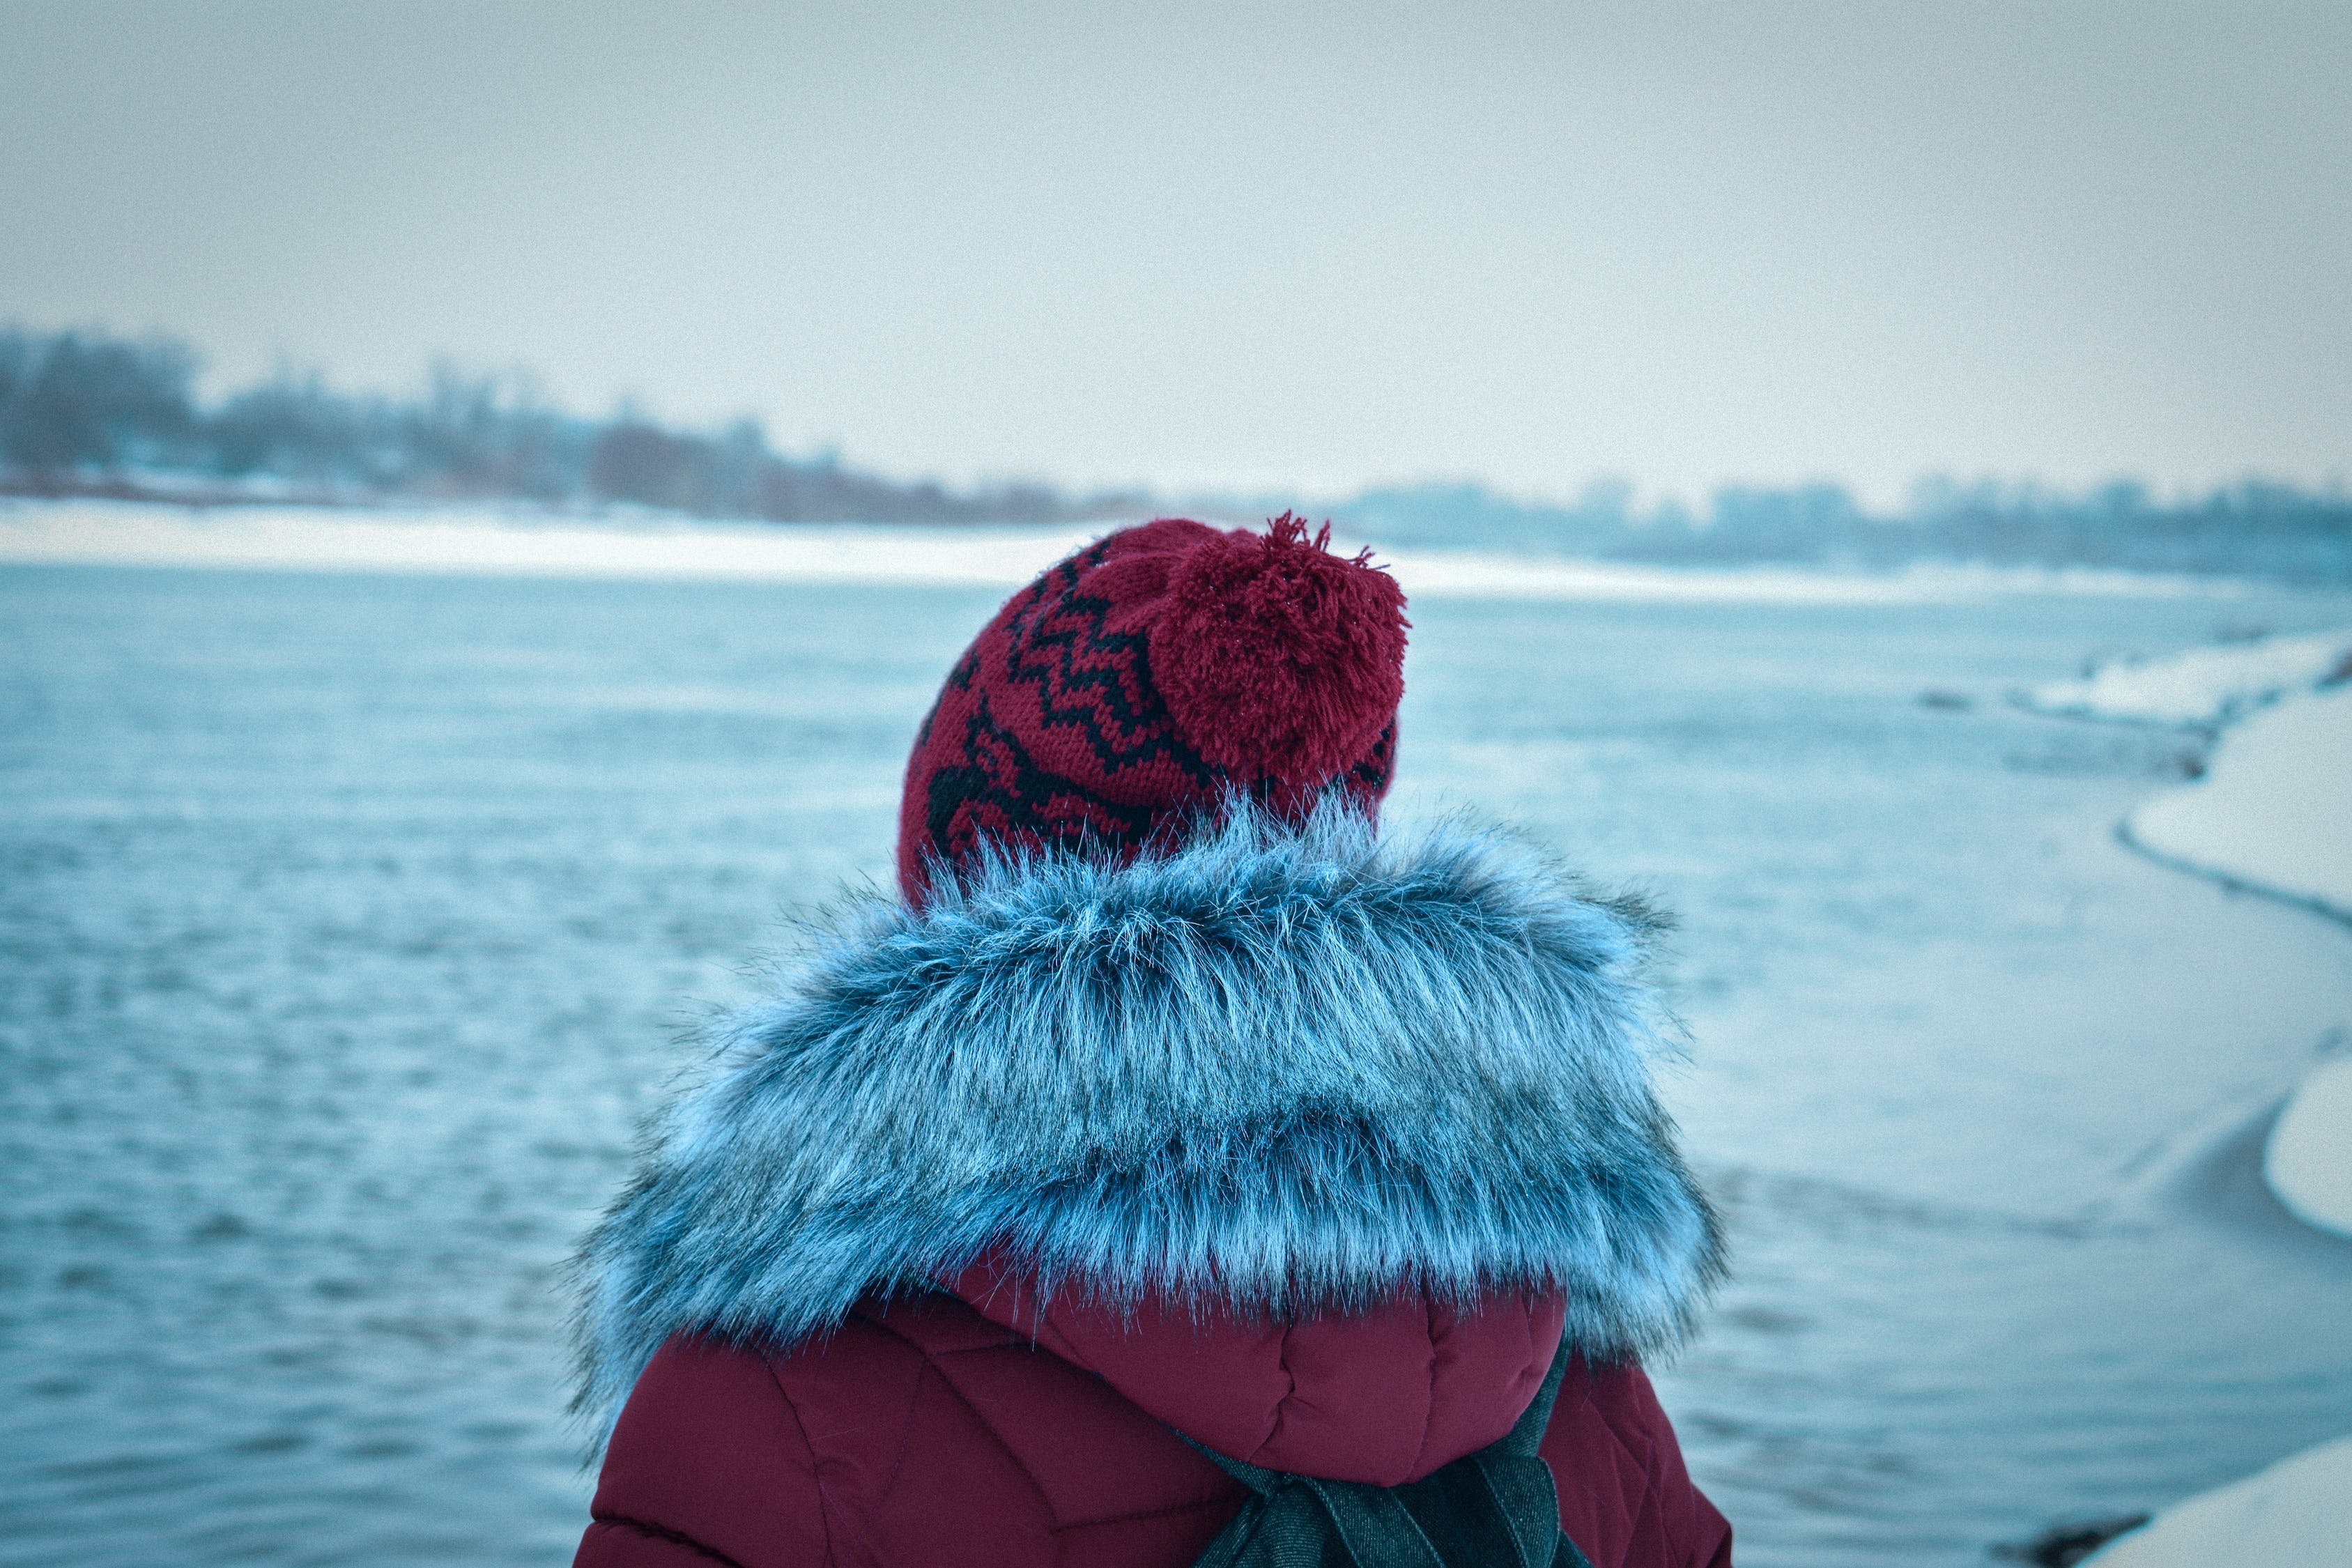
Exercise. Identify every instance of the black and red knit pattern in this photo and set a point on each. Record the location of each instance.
(1056, 728)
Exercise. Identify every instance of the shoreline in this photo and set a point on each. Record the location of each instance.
(2293, 693)
(2229, 881)
(510, 540)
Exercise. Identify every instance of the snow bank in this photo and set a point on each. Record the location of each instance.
(2286, 1514)
(506, 542)
(2275, 808)
(2309, 1162)
(2273, 811)
(2205, 685)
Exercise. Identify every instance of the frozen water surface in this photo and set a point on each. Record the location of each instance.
(347, 922)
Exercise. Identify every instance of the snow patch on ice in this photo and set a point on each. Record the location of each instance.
(2287, 1513)
(2275, 808)
(2309, 1162)
(2207, 687)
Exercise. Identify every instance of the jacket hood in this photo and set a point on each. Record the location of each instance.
(1281, 1071)
(1385, 1393)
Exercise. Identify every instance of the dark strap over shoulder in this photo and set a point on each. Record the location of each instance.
(1492, 1508)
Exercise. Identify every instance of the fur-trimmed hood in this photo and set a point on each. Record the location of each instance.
(1281, 1069)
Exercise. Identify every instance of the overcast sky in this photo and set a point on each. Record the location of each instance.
(1266, 244)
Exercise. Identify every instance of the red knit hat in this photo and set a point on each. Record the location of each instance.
(1133, 686)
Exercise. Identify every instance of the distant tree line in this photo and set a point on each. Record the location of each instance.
(83, 412)
(88, 413)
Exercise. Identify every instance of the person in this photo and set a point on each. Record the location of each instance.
(1171, 1105)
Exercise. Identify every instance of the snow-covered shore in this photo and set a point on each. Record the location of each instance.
(2297, 1511)
(2205, 687)
(2309, 1159)
(2272, 813)
(2275, 808)
(492, 541)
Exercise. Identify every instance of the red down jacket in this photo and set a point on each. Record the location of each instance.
(968, 1432)
(1225, 1097)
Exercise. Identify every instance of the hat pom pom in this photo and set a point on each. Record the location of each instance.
(1279, 660)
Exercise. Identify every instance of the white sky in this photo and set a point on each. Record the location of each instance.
(1249, 245)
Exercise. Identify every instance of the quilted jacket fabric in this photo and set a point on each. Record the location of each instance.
(926, 1434)
(1309, 1145)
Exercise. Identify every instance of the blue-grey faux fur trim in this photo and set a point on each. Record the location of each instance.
(1281, 1068)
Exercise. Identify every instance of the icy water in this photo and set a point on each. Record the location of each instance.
(348, 922)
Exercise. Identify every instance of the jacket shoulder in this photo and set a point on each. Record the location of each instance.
(710, 1461)
(1625, 1495)
(918, 1433)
